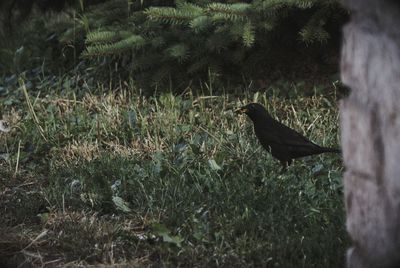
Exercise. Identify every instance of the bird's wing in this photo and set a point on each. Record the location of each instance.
(280, 134)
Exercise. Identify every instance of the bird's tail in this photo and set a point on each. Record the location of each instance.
(331, 150)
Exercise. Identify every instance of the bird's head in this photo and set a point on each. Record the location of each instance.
(254, 111)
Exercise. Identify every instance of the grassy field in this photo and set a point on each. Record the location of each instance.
(165, 181)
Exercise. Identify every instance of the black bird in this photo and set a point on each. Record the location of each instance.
(282, 142)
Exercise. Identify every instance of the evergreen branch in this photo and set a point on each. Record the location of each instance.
(312, 33)
(273, 6)
(179, 52)
(231, 12)
(105, 36)
(189, 8)
(169, 15)
(200, 23)
(314, 29)
(133, 42)
(248, 34)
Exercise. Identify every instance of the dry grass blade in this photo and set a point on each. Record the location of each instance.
(32, 111)
(18, 157)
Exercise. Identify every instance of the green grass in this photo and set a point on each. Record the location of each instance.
(168, 181)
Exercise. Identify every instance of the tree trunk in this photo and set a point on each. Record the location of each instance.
(370, 122)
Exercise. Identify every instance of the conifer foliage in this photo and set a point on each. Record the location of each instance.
(165, 41)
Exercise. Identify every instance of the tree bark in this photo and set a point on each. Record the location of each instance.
(370, 123)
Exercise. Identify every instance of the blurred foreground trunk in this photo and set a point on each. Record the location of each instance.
(370, 122)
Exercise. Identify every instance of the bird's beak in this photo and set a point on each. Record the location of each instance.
(242, 110)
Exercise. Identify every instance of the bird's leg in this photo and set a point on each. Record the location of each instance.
(283, 169)
(285, 165)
